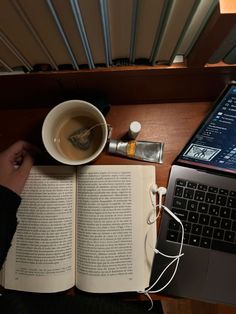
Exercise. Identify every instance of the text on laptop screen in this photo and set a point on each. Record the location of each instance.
(214, 144)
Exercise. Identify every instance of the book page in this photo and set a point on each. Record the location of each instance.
(41, 258)
(113, 209)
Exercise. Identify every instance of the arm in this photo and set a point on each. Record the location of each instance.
(9, 202)
(15, 165)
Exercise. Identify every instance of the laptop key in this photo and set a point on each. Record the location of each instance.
(213, 189)
(203, 208)
(210, 198)
(215, 222)
(234, 226)
(179, 191)
(223, 191)
(232, 202)
(194, 240)
(207, 231)
(218, 234)
(232, 193)
(204, 219)
(181, 182)
(233, 214)
(174, 225)
(225, 212)
(192, 205)
(221, 200)
(205, 243)
(193, 217)
(187, 227)
(223, 246)
(202, 187)
(226, 224)
(196, 229)
(229, 236)
(214, 210)
(172, 235)
(182, 214)
(179, 202)
(192, 185)
(199, 196)
(188, 193)
(186, 238)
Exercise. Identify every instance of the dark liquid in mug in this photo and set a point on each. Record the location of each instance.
(72, 125)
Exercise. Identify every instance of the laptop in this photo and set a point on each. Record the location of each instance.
(202, 194)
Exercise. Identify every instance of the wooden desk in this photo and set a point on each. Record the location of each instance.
(171, 123)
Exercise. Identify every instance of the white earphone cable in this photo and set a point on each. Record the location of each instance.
(175, 258)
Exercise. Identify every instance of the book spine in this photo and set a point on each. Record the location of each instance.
(160, 30)
(80, 26)
(101, 33)
(184, 31)
(63, 34)
(15, 51)
(106, 31)
(134, 30)
(35, 34)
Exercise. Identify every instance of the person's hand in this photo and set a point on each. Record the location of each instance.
(15, 164)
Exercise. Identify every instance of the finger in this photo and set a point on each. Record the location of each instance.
(19, 149)
(19, 146)
(26, 165)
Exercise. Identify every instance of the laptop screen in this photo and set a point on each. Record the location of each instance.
(213, 145)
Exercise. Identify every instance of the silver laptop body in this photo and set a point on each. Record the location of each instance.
(202, 189)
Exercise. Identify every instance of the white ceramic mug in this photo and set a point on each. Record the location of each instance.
(62, 113)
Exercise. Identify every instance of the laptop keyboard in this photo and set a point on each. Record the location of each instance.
(208, 215)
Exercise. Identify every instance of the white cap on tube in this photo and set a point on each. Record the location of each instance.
(134, 129)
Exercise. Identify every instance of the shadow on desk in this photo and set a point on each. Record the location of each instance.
(59, 303)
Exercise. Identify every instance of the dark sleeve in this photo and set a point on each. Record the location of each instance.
(9, 203)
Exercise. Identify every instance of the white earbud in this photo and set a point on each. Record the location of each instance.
(154, 188)
(161, 191)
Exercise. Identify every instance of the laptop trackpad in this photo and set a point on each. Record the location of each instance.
(191, 274)
(220, 286)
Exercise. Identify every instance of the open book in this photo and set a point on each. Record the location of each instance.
(84, 226)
